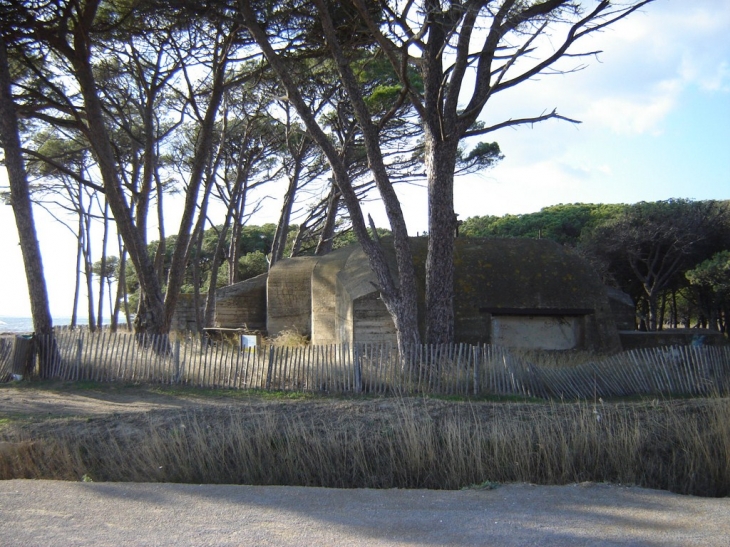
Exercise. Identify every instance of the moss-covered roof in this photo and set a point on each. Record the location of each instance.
(500, 273)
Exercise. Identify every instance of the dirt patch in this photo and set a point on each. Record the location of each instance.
(68, 400)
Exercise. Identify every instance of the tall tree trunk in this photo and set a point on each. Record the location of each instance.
(152, 318)
(652, 300)
(209, 313)
(79, 255)
(197, 240)
(234, 248)
(440, 165)
(159, 263)
(200, 159)
(103, 272)
(88, 273)
(121, 286)
(23, 211)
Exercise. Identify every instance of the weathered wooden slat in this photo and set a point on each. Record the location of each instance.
(445, 369)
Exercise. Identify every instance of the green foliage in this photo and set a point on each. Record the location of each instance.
(347, 237)
(254, 245)
(381, 83)
(484, 154)
(563, 223)
(111, 268)
(713, 273)
(252, 264)
(710, 286)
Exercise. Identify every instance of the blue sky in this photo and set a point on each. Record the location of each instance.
(656, 125)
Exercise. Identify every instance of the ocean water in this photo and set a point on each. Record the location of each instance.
(24, 325)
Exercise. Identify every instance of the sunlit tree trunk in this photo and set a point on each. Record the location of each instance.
(102, 270)
(23, 211)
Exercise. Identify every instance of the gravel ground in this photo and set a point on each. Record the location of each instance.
(50, 513)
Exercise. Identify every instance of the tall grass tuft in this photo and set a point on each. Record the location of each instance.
(681, 446)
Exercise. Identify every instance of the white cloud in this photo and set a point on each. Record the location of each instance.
(648, 62)
(632, 115)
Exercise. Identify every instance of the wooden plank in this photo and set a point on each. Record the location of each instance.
(96, 365)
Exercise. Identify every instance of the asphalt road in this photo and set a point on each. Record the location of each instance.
(50, 513)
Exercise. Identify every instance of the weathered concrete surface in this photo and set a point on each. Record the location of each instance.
(289, 296)
(494, 278)
(242, 304)
(47, 513)
(324, 296)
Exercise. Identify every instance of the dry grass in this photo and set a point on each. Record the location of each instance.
(681, 446)
(288, 338)
(556, 359)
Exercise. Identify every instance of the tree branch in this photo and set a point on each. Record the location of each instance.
(520, 121)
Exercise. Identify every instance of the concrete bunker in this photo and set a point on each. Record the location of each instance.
(524, 293)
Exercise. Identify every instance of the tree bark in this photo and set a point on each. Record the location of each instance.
(400, 300)
(282, 228)
(326, 237)
(77, 277)
(440, 164)
(102, 269)
(152, 320)
(23, 211)
(88, 273)
(203, 146)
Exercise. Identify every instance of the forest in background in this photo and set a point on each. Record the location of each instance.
(672, 257)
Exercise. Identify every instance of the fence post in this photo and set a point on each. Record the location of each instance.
(475, 352)
(270, 368)
(176, 361)
(79, 350)
(357, 367)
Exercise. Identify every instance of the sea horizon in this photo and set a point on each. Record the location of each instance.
(11, 324)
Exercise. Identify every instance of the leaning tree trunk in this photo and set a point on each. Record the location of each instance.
(152, 318)
(399, 298)
(23, 211)
(282, 227)
(327, 236)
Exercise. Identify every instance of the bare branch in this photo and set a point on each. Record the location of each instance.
(520, 121)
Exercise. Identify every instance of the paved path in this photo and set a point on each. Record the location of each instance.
(49, 513)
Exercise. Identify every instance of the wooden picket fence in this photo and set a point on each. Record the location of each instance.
(457, 369)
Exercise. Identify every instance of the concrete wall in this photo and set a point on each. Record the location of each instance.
(537, 332)
(184, 317)
(372, 324)
(527, 274)
(289, 296)
(242, 305)
(357, 294)
(324, 296)
(334, 299)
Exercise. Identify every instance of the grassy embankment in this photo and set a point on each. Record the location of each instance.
(679, 445)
